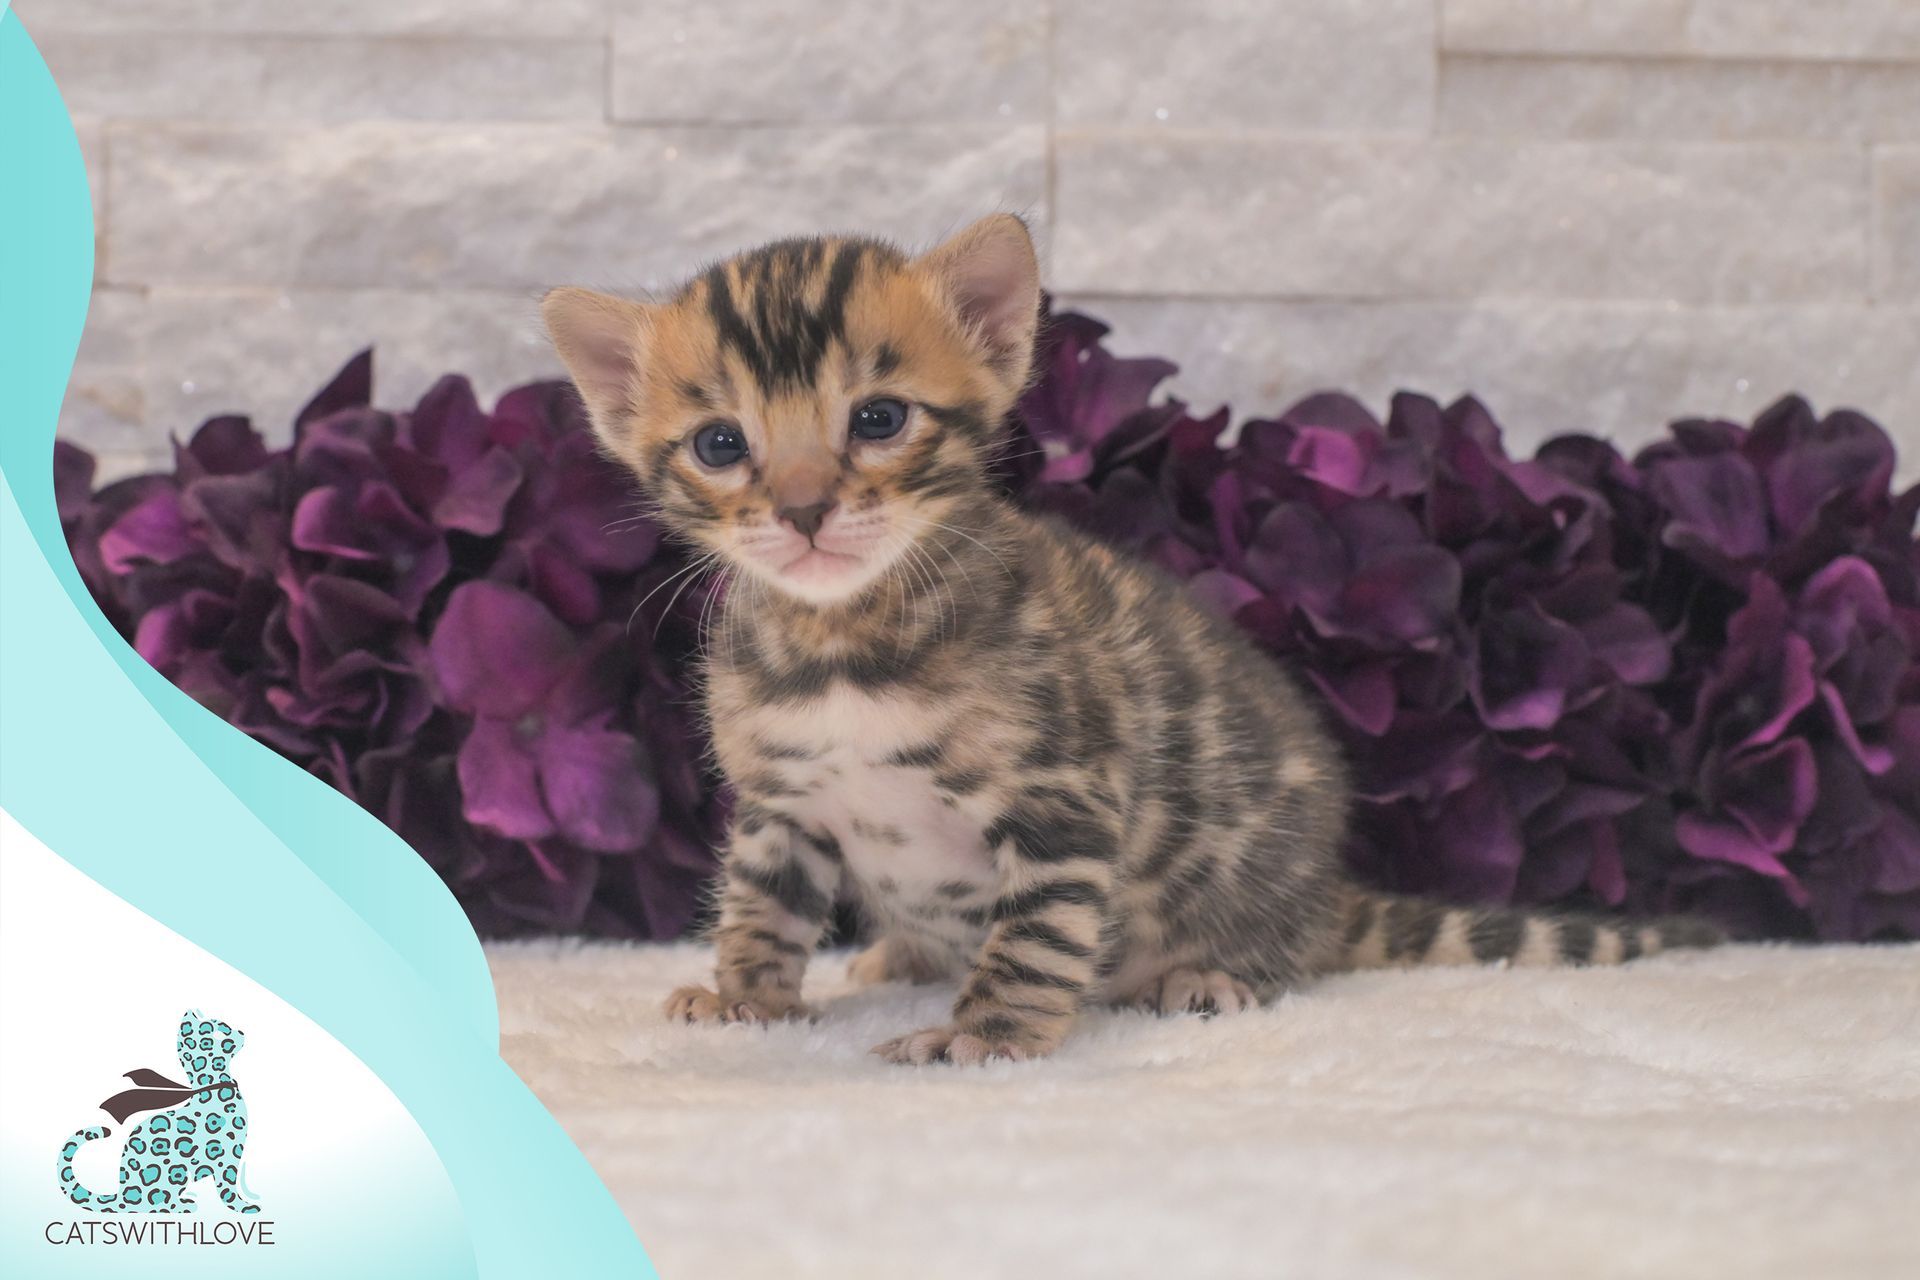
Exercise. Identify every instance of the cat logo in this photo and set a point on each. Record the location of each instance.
(193, 1132)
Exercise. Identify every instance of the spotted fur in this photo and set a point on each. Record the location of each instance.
(165, 1154)
(1040, 766)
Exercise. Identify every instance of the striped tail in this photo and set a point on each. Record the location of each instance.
(70, 1186)
(1386, 931)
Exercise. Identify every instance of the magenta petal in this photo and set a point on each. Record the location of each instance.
(1873, 757)
(1837, 601)
(1333, 458)
(72, 480)
(598, 786)
(1728, 842)
(1895, 849)
(1718, 506)
(1626, 639)
(496, 651)
(351, 388)
(1221, 592)
(1607, 874)
(476, 501)
(155, 530)
(1797, 690)
(1525, 667)
(1770, 791)
(499, 786)
(1477, 845)
(1365, 696)
(325, 520)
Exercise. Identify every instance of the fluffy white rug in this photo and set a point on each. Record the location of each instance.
(1753, 1112)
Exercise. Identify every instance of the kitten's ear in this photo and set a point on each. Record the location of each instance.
(599, 339)
(992, 279)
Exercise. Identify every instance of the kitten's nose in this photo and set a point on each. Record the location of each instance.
(809, 518)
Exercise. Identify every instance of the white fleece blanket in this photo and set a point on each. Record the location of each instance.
(1753, 1112)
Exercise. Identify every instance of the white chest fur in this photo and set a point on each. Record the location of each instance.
(906, 839)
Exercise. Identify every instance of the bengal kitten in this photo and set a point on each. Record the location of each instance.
(1033, 761)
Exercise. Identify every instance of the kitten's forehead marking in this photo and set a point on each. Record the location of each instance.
(781, 309)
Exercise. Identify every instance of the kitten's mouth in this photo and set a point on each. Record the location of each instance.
(817, 564)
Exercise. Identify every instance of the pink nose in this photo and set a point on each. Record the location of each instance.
(809, 518)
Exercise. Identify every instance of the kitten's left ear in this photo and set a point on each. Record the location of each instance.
(991, 277)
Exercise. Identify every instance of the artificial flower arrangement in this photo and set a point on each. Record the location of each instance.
(1685, 681)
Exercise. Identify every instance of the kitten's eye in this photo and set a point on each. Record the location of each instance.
(878, 419)
(720, 444)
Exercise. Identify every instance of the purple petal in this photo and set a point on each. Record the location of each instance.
(1894, 853)
(1476, 844)
(1875, 758)
(1769, 792)
(1628, 641)
(1722, 841)
(598, 787)
(1717, 507)
(1333, 458)
(499, 782)
(156, 530)
(351, 388)
(1222, 593)
(497, 651)
(1525, 667)
(476, 500)
(72, 480)
(1364, 696)
(1845, 456)
(448, 424)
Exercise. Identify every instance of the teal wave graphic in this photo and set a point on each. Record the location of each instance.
(132, 782)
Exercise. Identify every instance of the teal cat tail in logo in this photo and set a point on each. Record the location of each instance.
(195, 1131)
(70, 1185)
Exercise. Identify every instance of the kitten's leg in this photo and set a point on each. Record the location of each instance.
(1042, 956)
(779, 882)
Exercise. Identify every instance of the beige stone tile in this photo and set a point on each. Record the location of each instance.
(1665, 99)
(526, 206)
(261, 79)
(855, 61)
(1341, 65)
(105, 407)
(164, 361)
(1896, 228)
(536, 18)
(1564, 26)
(1865, 29)
(1210, 214)
(1875, 29)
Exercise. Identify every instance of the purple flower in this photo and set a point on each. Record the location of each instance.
(542, 758)
(1682, 682)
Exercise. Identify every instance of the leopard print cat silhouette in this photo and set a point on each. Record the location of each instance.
(203, 1136)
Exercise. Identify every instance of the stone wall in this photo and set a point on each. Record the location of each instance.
(1598, 214)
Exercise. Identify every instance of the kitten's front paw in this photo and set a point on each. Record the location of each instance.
(697, 1004)
(960, 1046)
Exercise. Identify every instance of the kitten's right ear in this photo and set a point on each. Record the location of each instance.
(599, 338)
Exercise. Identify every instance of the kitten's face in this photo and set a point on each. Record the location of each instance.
(811, 409)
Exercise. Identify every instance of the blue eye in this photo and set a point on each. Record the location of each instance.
(720, 444)
(877, 419)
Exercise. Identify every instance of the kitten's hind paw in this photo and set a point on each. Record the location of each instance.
(697, 1004)
(1203, 991)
